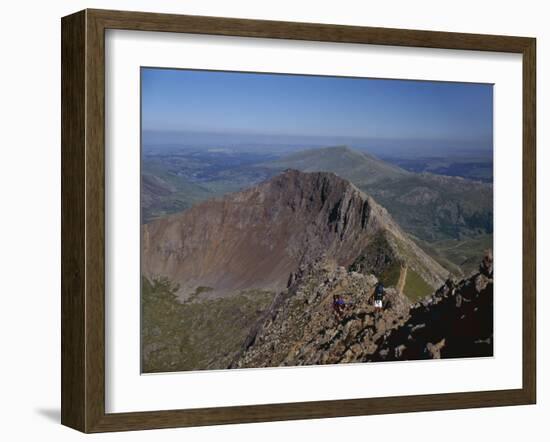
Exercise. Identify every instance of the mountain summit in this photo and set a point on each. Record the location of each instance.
(358, 167)
(260, 237)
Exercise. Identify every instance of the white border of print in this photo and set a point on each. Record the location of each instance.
(127, 390)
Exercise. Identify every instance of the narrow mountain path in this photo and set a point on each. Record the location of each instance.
(455, 246)
(402, 279)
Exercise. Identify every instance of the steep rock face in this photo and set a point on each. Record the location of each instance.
(256, 238)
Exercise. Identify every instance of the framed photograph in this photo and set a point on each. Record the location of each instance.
(268, 220)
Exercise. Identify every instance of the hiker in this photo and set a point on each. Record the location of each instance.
(379, 295)
(338, 305)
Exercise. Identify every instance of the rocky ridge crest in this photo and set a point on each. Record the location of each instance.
(301, 328)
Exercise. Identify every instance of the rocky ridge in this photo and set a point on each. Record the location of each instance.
(256, 238)
(301, 328)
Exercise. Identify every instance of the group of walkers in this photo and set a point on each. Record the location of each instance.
(339, 304)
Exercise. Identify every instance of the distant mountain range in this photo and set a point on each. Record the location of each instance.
(444, 207)
(449, 217)
(430, 207)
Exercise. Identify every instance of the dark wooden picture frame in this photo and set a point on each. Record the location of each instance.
(83, 220)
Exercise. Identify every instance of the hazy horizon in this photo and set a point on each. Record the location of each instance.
(234, 109)
(153, 140)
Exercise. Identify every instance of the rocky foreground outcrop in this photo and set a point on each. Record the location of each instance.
(301, 327)
(455, 322)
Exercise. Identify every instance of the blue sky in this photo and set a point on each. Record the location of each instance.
(296, 105)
